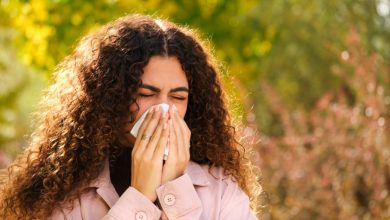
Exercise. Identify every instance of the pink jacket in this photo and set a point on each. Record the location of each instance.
(195, 195)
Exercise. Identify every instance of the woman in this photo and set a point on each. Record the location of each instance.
(83, 163)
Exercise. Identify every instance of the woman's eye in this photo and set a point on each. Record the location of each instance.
(144, 95)
(179, 98)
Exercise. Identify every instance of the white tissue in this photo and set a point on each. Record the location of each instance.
(137, 125)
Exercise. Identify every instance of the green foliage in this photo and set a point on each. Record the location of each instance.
(20, 90)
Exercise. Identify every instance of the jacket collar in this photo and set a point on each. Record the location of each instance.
(197, 175)
(107, 191)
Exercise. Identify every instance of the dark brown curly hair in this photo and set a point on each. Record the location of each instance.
(82, 115)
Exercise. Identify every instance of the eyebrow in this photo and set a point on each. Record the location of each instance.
(155, 89)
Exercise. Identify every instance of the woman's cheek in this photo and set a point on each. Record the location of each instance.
(183, 110)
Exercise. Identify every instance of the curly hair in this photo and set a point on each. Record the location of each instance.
(81, 117)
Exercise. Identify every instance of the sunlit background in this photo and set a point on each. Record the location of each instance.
(309, 79)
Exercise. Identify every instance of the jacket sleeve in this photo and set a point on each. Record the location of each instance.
(133, 205)
(179, 200)
(235, 203)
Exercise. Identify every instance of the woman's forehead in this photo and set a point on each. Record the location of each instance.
(164, 72)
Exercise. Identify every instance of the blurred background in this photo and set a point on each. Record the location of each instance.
(310, 80)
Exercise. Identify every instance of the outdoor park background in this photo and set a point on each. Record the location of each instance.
(310, 80)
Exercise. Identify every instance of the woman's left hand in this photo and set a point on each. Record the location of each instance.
(179, 147)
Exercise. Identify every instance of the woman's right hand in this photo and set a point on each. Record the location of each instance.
(148, 151)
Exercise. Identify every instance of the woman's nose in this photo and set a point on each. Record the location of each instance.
(163, 99)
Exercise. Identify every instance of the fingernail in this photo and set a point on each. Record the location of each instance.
(157, 108)
(164, 114)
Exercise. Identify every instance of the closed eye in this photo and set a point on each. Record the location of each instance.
(143, 95)
(175, 97)
(180, 98)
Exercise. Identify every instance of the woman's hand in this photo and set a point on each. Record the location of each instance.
(179, 147)
(148, 152)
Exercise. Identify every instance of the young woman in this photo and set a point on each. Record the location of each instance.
(83, 163)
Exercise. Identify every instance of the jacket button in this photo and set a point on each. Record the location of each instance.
(141, 216)
(169, 199)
